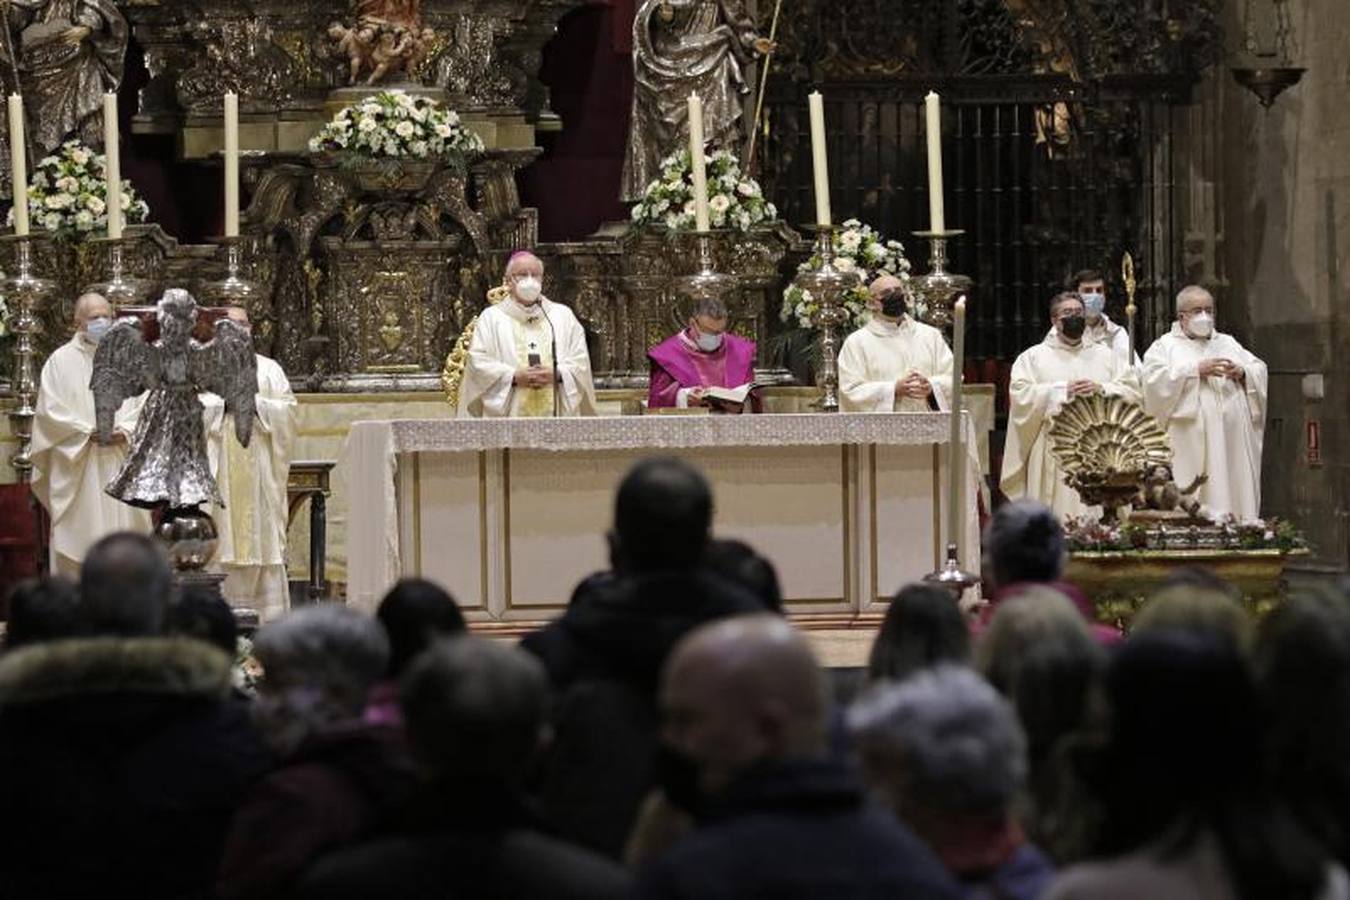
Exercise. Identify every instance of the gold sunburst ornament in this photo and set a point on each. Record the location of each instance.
(1106, 446)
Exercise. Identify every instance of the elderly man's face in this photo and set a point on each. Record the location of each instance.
(701, 720)
(708, 325)
(1193, 305)
(93, 308)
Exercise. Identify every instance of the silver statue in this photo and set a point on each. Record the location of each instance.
(167, 466)
(69, 53)
(683, 47)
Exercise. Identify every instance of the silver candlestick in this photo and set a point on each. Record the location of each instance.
(234, 289)
(25, 292)
(938, 289)
(122, 287)
(827, 286)
(706, 283)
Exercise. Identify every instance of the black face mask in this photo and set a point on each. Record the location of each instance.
(1072, 327)
(677, 775)
(893, 305)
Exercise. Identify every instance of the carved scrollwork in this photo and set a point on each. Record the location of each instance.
(236, 55)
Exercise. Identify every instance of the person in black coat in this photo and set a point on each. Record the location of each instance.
(124, 756)
(475, 715)
(604, 654)
(746, 714)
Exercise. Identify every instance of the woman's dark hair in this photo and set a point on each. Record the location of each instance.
(1302, 662)
(1184, 758)
(923, 627)
(204, 615)
(737, 562)
(1025, 544)
(413, 613)
(42, 609)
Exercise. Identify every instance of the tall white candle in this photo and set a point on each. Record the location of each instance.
(232, 164)
(957, 467)
(18, 164)
(936, 219)
(114, 165)
(698, 164)
(819, 160)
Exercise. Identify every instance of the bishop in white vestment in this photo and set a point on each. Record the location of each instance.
(894, 362)
(1210, 393)
(510, 369)
(1044, 378)
(70, 466)
(252, 526)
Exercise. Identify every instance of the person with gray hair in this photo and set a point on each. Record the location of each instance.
(1210, 393)
(703, 355)
(475, 713)
(944, 751)
(339, 777)
(126, 586)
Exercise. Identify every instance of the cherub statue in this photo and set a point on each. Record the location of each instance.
(167, 466)
(1160, 492)
(357, 43)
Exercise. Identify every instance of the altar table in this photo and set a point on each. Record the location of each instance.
(509, 514)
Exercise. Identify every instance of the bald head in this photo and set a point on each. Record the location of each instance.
(742, 691)
(524, 262)
(883, 285)
(91, 306)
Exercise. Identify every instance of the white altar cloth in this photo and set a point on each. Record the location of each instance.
(510, 513)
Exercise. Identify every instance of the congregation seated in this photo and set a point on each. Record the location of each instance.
(476, 719)
(945, 752)
(124, 759)
(670, 720)
(604, 654)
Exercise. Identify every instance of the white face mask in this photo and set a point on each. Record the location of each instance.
(1093, 305)
(707, 342)
(1201, 325)
(95, 329)
(528, 289)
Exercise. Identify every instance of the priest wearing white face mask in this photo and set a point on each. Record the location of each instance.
(893, 363)
(1044, 378)
(511, 368)
(1210, 393)
(704, 355)
(1090, 286)
(70, 465)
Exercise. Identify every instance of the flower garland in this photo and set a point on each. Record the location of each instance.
(734, 200)
(1086, 535)
(68, 194)
(397, 125)
(857, 248)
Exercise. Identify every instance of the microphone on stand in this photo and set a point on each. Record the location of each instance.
(553, 354)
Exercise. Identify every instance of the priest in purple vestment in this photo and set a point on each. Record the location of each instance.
(701, 356)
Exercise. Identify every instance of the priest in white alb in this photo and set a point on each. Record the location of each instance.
(70, 466)
(893, 363)
(1090, 287)
(1210, 393)
(511, 368)
(1044, 378)
(252, 526)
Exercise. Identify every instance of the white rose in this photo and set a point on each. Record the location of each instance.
(849, 241)
(80, 156)
(59, 201)
(366, 124)
(844, 264)
(720, 203)
(96, 205)
(84, 220)
(51, 221)
(748, 189)
(405, 129)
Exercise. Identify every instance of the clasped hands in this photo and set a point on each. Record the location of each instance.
(1224, 368)
(533, 377)
(913, 385)
(1083, 387)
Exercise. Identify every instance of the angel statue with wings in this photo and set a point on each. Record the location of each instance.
(167, 467)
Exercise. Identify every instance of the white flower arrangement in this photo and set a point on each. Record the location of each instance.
(68, 194)
(734, 201)
(857, 248)
(397, 125)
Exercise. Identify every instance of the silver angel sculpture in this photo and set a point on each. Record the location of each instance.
(167, 465)
(683, 47)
